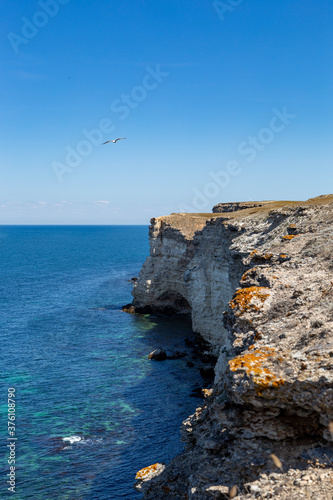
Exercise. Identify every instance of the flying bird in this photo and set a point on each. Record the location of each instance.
(115, 140)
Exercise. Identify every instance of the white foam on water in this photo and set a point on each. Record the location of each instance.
(72, 439)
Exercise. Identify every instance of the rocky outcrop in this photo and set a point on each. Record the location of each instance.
(258, 284)
(234, 207)
(158, 355)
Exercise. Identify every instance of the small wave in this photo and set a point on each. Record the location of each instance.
(72, 439)
(83, 441)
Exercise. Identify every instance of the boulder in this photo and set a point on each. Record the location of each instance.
(158, 355)
(129, 308)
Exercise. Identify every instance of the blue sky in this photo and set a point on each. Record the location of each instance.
(219, 101)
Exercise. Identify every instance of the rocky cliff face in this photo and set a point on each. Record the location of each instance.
(258, 284)
(190, 270)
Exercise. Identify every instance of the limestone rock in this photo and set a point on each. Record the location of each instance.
(258, 285)
(145, 475)
(234, 207)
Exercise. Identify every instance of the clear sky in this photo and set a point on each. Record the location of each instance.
(219, 101)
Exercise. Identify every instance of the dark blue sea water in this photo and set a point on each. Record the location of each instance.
(79, 364)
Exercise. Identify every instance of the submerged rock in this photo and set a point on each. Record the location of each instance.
(177, 355)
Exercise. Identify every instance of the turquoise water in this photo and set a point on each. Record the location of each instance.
(91, 409)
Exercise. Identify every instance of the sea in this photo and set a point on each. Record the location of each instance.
(90, 408)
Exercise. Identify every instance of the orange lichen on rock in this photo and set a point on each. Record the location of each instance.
(207, 392)
(143, 473)
(252, 362)
(289, 236)
(250, 298)
(260, 256)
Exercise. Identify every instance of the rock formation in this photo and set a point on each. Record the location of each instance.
(158, 355)
(258, 284)
(240, 205)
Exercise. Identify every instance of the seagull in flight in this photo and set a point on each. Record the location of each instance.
(115, 140)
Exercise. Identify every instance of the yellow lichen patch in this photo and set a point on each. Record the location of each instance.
(250, 298)
(292, 226)
(260, 256)
(252, 364)
(207, 392)
(143, 473)
(289, 236)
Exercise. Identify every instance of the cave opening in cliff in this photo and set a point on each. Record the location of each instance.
(171, 303)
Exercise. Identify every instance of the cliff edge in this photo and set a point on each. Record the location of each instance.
(258, 284)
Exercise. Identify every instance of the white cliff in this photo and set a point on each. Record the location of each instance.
(258, 284)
